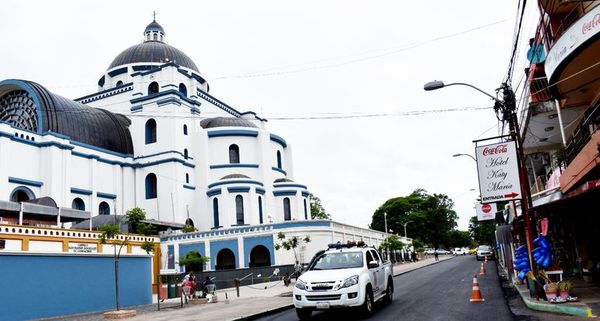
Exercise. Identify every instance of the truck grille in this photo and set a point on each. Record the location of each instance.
(332, 297)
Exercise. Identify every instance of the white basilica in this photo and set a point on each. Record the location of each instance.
(153, 137)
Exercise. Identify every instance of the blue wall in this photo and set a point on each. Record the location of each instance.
(251, 242)
(216, 246)
(36, 286)
(185, 248)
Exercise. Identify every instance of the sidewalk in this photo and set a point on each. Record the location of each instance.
(254, 301)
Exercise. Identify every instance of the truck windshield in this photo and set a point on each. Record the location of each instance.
(333, 261)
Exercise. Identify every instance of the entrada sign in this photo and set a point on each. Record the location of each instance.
(498, 172)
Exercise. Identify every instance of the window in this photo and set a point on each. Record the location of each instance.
(183, 89)
(78, 204)
(216, 212)
(119, 83)
(187, 178)
(305, 210)
(185, 153)
(185, 129)
(153, 88)
(103, 209)
(151, 131)
(369, 257)
(150, 186)
(239, 209)
(154, 36)
(287, 213)
(189, 222)
(234, 154)
(279, 159)
(260, 211)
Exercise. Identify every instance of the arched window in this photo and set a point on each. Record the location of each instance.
(225, 260)
(119, 83)
(189, 222)
(153, 88)
(185, 129)
(260, 256)
(21, 194)
(216, 212)
(185, 153)
(234, 154)
(103, 209)
(260, 211)
(183, 89)
(239, 209)
(287, 212)
(279, 159)
(187, 178)
(151, 131)
(150, 186)
(78, 204)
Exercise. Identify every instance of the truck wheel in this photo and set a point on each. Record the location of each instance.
(389, 292)
(303, 314)
(367, 307)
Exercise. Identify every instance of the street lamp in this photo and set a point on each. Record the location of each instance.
(473, 158)
(508, 108)
(404, 224)
(386, 233)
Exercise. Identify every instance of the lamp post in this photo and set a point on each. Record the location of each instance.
(404, 224)
(387, 250)
(469, 155)
(506, 106)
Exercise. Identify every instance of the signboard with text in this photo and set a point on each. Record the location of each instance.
(486, 211)
(83, 248)
(498, 172)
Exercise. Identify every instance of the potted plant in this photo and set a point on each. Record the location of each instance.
(564, 289)
(551, 290)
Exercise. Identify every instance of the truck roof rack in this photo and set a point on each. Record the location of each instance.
(348, 244)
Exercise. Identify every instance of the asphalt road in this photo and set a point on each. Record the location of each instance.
(436, 292)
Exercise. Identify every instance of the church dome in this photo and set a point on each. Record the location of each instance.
(153, 50)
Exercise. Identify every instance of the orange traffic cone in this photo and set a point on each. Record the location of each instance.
(476, 293)
(485, 261)
(482, 269)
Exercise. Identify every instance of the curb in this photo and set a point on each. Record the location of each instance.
(420, 267)
(264, 313)
(555, 308)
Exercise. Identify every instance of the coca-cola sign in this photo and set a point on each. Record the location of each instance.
(485, 211)
(498, 171)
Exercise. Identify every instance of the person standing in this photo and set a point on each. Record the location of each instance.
(436, 255)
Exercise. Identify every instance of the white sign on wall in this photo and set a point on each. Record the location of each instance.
(83, 247)
(485, 211)
(498, 171)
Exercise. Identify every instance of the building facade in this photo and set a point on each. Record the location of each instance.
(152, 137)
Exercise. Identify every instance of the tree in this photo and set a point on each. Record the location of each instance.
(110, 233)
(418, 246)
(291, 244)
(316, 209)
(458, 238)
(193, 261)
(483, 232)
(391, 243)
(431, 217)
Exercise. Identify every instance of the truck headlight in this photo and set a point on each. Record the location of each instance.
(353, 280)
(300, 284)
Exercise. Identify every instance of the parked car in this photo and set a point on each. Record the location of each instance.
(484, 251)
(473, 251)
(429, 251)
(343, 277)
(460, 251)
(442, 251)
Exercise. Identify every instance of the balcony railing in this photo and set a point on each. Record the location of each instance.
(583, 133)
(553, 27)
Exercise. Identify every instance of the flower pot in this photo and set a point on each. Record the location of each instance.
(551, 295)
(564, 294)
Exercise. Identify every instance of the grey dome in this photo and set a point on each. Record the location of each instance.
(282, 180)
(230, 176)
(154, 26)
(226, 122)
(153, 51)
(28, 105)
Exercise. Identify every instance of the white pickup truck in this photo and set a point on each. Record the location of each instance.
(343, 277)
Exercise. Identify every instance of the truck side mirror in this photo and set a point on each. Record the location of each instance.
(373, 264)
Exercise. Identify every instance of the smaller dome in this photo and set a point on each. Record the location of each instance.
(226, 122)
(154, 26)
(282, 180)
(231, 176)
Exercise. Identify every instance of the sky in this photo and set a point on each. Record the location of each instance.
(341, 81)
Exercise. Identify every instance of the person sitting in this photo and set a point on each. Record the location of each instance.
(208, 287)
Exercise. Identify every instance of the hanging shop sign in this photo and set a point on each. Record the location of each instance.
(498, 171)
(485, 211)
